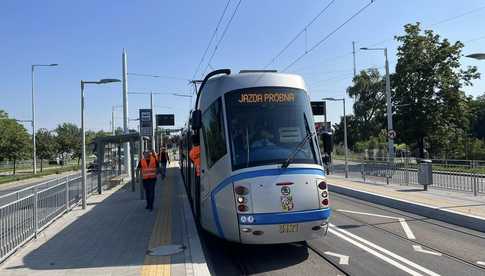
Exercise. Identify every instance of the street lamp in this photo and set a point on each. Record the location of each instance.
(390, 128)
(83, 163)
(477, 56)
(345, 134)
(34, 149)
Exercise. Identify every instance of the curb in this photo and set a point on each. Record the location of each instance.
(448, 216)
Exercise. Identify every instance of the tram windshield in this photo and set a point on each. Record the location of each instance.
(266, 125)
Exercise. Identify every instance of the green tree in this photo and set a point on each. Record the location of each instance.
(368, 92)
(431, 108)
(477, 120)
(68, 140)
(46, 146)
(14, 140)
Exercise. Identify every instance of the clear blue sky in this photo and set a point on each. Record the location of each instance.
(168, 38)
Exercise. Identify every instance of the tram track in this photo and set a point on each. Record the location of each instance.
(329, 260)
(444, 253)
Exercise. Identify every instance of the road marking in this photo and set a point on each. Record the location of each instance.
(343, 259)
(480, 263)
(418, 248)
(407, 230)
(363, 243)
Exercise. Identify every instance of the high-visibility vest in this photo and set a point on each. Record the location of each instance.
(194, 155)
(149, 171)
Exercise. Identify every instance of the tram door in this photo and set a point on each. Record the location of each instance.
(214, 148)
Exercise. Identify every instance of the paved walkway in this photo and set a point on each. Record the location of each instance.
(454, 201)
(114, 236)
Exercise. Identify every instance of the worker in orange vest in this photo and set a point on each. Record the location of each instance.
(163, 158)
(194, 153)
(149, 169)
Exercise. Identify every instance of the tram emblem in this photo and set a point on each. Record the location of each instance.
(286, 199)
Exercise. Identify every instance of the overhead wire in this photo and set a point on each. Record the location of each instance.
(316, 45)
(471, 11)
(304, 30)
(222, 36)
(211, 39)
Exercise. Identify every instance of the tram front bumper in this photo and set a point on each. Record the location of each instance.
(283, 227)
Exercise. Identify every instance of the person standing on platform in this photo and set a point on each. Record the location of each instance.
(149, 169)
(194, 153)
(163, 159)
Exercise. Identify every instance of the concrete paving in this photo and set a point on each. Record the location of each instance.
(114, 235)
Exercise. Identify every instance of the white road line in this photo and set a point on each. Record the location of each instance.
(343, 259)
(418, 248)
(375, 253)
(383, 250)
(404, 224)
(480, 263)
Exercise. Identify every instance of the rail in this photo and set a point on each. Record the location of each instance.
(26, 212)
(452, 176)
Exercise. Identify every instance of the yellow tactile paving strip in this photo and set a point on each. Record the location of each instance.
(456, 205)
(161, 234)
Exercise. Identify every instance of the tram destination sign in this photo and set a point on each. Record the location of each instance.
(165, 120)
(318, 108)
(146, 122)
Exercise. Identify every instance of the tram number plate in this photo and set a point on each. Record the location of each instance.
(288, 228)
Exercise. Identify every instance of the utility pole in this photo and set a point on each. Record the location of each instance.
(353, 53)
(389, 110)
(113, 121)
(153, 121)
(125, 113)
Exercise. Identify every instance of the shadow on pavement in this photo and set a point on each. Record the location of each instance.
(114, 233)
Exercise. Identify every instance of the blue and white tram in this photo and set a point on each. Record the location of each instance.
(262, 179)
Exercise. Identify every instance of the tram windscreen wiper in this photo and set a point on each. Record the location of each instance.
(292, 155)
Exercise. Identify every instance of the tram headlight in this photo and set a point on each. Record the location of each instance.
(241, 199)
(250, 219)
(243, 219)
(324, 194)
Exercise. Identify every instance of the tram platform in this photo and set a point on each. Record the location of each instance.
(116, 235)
(449, 206)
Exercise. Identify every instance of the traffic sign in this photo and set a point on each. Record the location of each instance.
(146, 122)
(391, 134)
(165, 120)
(318, 108)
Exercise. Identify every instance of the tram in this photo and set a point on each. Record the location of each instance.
(261, 179)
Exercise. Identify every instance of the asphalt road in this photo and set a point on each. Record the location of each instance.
(371, 239)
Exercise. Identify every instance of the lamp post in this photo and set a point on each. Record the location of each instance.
(34, 148)
(83, 141)
(345, 134)
(390, 128)
(479, 56)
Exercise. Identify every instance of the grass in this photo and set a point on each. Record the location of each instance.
(47, 171)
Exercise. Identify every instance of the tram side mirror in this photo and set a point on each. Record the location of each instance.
(196, 119)
(327, 142)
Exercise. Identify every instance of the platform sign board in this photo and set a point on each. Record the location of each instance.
(146, 122)
(318, 108)
(165, 120)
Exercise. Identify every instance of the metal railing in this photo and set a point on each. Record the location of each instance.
(26, 212)
(452, 175)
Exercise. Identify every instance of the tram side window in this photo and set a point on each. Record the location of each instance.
(213, 131)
